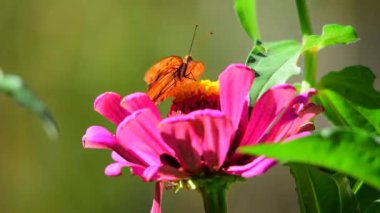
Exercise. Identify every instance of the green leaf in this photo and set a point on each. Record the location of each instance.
(16, 88)
(355, 83)
(373, 208)
(332, 34)
(322, 192)
(342, 112)
(274, 63)
(349, 98)
(366, 196)
(246, 11)
(355, 153)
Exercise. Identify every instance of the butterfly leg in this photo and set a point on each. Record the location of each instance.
(192, 76)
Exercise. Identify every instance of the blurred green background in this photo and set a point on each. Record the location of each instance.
(70, 51)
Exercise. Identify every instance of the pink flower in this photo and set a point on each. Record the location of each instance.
(205, 127)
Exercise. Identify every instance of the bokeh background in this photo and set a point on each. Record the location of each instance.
(70, 51)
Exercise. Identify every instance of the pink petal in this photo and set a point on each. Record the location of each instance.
(156, 207)
(307, 127)
(299, 135)
(163, 173)
(116, 157)
(244, 115)
(169, 173)
(150, 173)
(108, 105)
(203, 134)
(302, 122)
(129, 160)
(98, 137)
(138, 171)
(257, 167)
(184, 138)
(218, 133)
(235, 82)
(129, 156)
(266, 111)
(298, 113)
(139, 133)
(114, 169)
(137, 101)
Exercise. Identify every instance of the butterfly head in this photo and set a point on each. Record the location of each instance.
(188, 59)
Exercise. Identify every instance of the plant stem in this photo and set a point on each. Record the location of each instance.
(310, 67)
(214, 199)
(357, 186)
(310, 55)
(303, 16)
(214, 190)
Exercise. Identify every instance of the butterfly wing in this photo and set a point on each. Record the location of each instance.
(161, 77)
(194, 70)
(158, 70)
(160, 91)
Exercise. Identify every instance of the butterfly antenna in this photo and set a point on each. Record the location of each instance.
(192, 40)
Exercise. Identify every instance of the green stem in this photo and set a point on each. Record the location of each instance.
(214, 199)
(310, 67)
(214, 190)
(303, 16)
(357, 186)
(310, 55)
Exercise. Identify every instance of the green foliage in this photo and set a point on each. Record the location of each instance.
(246, 11)
(374, 207)
(332, 34)
(366, 197)
(355, 153)
(273, 63)
(349, 98)
(15, 87)
(319, 191)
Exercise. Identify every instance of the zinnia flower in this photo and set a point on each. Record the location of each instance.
(207, 123)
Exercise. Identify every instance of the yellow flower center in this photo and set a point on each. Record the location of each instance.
(195, 95)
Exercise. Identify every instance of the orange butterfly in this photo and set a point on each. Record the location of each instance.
(170, 72)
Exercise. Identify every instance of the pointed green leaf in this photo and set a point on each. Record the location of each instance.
(349, 98)
(355, 83)
(273, 63)
(16, 88)
(342, 112)
(246, 11)
(355, 153)
(321, 192)
(332, 34)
